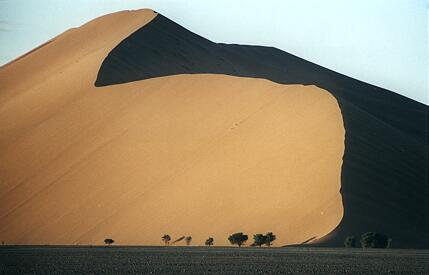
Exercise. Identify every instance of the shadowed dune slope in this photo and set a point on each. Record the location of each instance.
(385, 171)
(201, 154)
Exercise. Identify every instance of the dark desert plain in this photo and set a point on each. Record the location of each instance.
(131, 126)
(213, 260)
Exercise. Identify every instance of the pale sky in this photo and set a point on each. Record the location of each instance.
(383, 42)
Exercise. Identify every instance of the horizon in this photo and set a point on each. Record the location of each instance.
(383, 58)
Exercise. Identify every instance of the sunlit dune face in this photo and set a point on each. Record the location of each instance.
(220, 155)
(199, 155)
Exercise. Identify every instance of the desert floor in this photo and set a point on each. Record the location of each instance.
(203, 260)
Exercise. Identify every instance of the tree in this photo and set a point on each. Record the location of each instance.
(374, 240)
(350, 241)
(238, 239)
(188, 240)
(209, 241)
(108, 241)
(259, 240)
(166, 239)
(270, 238)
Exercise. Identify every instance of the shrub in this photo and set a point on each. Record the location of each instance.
(259, 240)
(209, 241)
(166, 239)
(374, 240)
(270, 237)
(350, 241)
(238, 239)
(108, 241)
(188, 240)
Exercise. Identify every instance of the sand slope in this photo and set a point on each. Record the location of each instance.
(385, 173)
(201, 155)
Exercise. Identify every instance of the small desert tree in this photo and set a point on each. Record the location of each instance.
(188, 240)
(350, 241)
(108, 241)
(166, 239)
(259, 240)
(270, 238)
(374, 240)
(238, 239)
(209, 242)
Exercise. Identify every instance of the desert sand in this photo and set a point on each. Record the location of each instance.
(384, 176)
(200, 155)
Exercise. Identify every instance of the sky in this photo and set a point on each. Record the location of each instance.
(382, 42)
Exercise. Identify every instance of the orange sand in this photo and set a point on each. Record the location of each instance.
(200, 155)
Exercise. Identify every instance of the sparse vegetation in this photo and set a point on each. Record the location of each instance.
(166, 239)
(209, 242)
(259, 240)
(270, 238)
(188, 240)
(374, 240)
(109, 241)
(238, 239)
(350, 241)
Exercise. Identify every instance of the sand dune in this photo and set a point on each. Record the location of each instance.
(201, 154)
(384, 177)
(131, 127)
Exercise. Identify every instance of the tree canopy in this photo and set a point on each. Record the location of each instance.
(374, 240)
(109, 241)
(259, 239)
(238, 239)
(166, 239)
(270, 238)
(209, 241)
